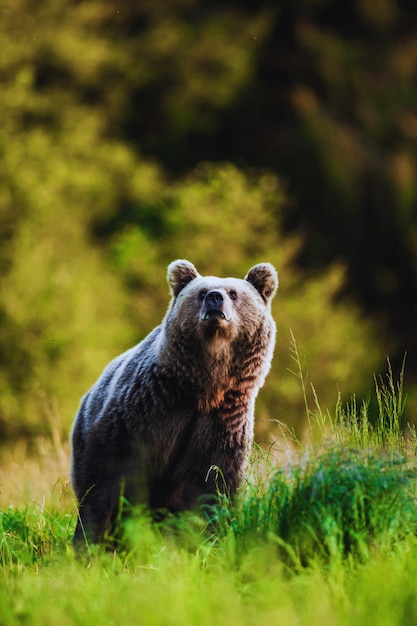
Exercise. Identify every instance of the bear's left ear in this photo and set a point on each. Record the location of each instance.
(265, 280)
(180, 273)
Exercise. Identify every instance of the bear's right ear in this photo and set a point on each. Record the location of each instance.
(180, 273)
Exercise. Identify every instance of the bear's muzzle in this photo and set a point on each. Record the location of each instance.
(213, 308)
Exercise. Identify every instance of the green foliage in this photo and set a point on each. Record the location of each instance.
(89, 220)
(328, 537)
(31, 535)
(340, 503)
(71, 304)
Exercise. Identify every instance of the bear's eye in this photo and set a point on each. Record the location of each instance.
(202, 294)
(233, 294)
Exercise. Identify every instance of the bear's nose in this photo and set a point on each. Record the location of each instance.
(214, 298)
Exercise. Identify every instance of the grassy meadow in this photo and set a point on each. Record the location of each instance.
(322, 532)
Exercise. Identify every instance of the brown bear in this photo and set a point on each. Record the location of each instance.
(180, 403)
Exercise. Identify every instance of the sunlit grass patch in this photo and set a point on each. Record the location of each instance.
(328, 506)
(36, 473)
(32, 534)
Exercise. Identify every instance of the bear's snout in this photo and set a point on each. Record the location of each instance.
(214, 307)
(214, 299)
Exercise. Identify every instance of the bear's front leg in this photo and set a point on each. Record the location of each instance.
(98, 511)
(98, 474)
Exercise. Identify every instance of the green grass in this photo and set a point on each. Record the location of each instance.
(327, 537)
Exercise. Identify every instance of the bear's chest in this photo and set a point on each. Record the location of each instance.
(187, 438)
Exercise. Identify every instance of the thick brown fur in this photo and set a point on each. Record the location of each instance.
(180, 402)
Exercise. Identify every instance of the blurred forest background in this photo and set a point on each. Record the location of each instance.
(228, 133)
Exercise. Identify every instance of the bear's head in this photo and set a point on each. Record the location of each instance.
(219, 331)
(215, 307)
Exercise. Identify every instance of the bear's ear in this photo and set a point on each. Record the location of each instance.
(265, 280)
(180, 273)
